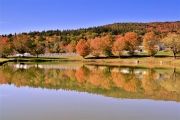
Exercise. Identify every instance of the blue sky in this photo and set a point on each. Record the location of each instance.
(18, 16)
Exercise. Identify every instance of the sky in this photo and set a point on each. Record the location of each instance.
(17, 16)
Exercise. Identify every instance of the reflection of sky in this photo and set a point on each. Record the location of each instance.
(41, 104)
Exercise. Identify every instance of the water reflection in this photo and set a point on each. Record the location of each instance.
(112, 81)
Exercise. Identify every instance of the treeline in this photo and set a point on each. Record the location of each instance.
(160, 28)
(57, 41)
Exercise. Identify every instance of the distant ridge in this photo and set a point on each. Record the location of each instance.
(159, 28)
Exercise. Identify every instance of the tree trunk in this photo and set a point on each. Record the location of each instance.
(119, 55)
(174, 55)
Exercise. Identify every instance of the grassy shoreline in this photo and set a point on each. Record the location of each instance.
(147, 61)
(161, 58)
(3, 60)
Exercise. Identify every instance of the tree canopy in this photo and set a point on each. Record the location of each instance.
(173, 42)
(150, 43)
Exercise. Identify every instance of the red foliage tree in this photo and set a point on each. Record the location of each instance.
(95, 46)
(82, 48)
(118, 46)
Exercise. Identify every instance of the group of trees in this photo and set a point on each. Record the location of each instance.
(109, 40)
(109, 45)
(21, 44)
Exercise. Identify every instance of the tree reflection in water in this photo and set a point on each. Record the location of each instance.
(113, 81)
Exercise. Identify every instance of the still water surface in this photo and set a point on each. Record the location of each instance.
(89, 92)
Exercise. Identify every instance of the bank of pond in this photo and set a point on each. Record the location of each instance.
(103, 60)
(123, 81)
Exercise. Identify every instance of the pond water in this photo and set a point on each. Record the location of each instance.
(88, 92)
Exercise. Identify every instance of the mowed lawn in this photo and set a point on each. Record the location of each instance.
(3, 59)
(166, 57)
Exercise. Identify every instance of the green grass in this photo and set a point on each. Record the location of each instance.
(3, 60)
(164, 54)
(143, 58)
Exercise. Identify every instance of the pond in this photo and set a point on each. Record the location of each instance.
(62, 91)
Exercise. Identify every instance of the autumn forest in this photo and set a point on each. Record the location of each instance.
(108, 40)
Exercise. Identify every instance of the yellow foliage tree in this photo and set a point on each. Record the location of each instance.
(150, 43)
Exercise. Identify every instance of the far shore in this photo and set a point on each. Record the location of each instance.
(144, 61)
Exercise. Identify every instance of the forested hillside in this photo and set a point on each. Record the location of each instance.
(57, 41)
(160, 28)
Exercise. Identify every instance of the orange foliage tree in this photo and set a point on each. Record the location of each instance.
(82, 48)
(131, 42)
(150, 43)
(95, 46)
(118, 46)
(107, 43)
(5, 46)
(72, 46)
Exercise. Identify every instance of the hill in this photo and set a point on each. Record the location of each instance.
(61, 41)
(160, 28)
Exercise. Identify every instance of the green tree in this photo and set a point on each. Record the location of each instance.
(20, 43)
(56, 48)
(36, 46)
